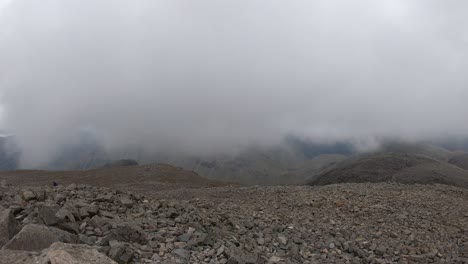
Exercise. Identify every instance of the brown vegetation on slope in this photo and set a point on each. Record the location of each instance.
(146, 177)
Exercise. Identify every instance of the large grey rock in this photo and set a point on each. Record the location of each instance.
(60, 253)
(121, 253)
(97, 221)
(60, 197)
(105, 198)
(29, 195)
(65, 215)
(57, 253)
(129, 233)
(9, 227)
(36, 238)
(47, 214)
(73, 228)
(19, 257)
(238, 256)
(181, 253)
(127, 202)
(88, 211)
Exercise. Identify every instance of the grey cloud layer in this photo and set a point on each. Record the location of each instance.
(206, 76)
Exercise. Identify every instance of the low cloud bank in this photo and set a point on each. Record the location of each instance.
(215, 76)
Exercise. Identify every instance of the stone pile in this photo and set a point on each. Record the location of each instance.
(349, 223)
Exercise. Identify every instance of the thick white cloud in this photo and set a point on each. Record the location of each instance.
(4, 4)
(210, 75)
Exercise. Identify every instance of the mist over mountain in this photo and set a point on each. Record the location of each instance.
(9, 154)
(293, 161)
(211, 78)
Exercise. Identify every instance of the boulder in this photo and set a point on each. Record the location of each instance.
(60, 253)
(60, 197)
(72, 186)
(181, 253)
(29, 195)
(19, 257)
(9, 227)
(36, 238)
(105, 198)
(121, 253)
(129, 233)
(88, 211)
(47, 214)
(83, 212)
(65, 215)
(73, 228)
(87, 240)
(127, 202)
(97, 221)
(238, 256)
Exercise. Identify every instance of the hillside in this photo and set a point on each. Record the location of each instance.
(422, 148)
(267, 168)
(293, 161)
(307, 170)
(460, 160)
(394, 167)
(142, 178)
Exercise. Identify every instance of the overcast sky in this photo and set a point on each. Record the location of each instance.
(213, 75)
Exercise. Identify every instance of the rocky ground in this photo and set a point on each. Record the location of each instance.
(346, 223)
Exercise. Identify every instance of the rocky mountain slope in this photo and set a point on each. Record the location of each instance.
(347, 223)
(394, 167)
